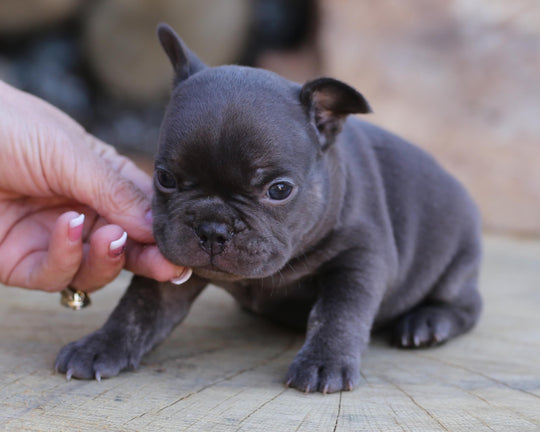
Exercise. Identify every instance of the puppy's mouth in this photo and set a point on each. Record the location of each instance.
(212, 272)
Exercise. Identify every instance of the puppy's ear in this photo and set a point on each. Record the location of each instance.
(328, 102)
(184, 62)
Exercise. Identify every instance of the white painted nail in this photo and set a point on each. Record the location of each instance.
(182, 277)
(118, 244)
(75, 222)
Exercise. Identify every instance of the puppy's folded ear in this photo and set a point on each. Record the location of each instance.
(328, 102)
(184, 62)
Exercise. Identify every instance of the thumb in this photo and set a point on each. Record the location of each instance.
(114, 187)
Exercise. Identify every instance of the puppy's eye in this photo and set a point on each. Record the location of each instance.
(165, 180)
(280, 191)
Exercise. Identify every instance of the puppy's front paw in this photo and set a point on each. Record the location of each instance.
(326, 374)
(98, 355)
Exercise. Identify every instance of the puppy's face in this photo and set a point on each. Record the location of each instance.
(242, 177)
(239, 178)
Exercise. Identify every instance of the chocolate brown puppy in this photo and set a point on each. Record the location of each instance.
(305, 215)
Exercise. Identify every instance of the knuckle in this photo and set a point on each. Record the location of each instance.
(123, 195)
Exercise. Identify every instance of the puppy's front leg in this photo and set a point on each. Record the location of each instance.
(146, 314)
(339, 326)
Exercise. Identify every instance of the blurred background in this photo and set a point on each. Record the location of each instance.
(460, 78)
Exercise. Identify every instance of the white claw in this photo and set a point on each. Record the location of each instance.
(98, 376)
(69, 374)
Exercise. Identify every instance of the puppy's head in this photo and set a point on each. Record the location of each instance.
(242, 172)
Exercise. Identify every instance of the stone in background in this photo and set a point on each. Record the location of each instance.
(460, 78)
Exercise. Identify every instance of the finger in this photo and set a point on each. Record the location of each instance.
(147, 260)
(97, 180)
(104, 259)
(53, 270)
(118, 199)
(123, 165)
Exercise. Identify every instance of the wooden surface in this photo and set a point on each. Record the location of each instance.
(222, 370)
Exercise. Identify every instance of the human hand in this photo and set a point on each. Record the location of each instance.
(51, 172)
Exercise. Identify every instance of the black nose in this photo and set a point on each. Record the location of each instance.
(213, 236)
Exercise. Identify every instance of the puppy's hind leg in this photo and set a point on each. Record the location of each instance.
(450, 309)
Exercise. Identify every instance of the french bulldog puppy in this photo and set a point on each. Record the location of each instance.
(309, 217)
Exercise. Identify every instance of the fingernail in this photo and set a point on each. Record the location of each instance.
(76, 227)
(182, 277)
(117, 247)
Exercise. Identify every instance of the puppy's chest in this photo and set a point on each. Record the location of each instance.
(289, 304)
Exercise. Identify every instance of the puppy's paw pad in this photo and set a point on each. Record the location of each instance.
(423, 327)
(96, 356)
(325, 377)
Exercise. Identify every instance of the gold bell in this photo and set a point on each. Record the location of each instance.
(74, 299)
